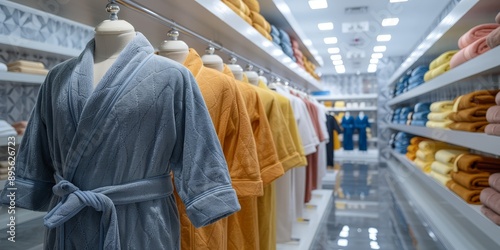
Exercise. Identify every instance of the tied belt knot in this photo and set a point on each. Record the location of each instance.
(103, 199)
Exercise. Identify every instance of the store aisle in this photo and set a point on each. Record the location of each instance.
(360, 217)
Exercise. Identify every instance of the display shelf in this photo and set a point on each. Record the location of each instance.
(351, 109)
(484, 64)
(477, 141)
(315, 212)
(345, 97)
(40, 48)
(458, 224)
(329, 179)
(21, 78)
(371, 155)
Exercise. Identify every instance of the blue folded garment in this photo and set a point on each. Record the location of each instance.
(420, 70)
(422, 115)
(418, 79)
(285, 37)
(274, 31)
(420, 123)
(276, 39)
(422, 106)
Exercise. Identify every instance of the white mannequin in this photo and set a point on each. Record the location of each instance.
(236, 69)
(211, 60)
(253, 77)
(111, 37)
(174, 49)
(262, 77)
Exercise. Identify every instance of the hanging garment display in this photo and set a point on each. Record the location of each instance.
(361, 123)
(332, 125)
(348, 128)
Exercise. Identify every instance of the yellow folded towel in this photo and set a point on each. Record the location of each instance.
(448, 155)
(440, 70)
(260, 20)
(28, 70)
(442, 168)
(425, 155)
(439, 116)
(436, 145)
(443, 179)
(442, 59)
(253, 5)
(339, 104)
(428, 76)
(25, 63)
(442, 106)
(262, 31)
(240, 11)
(423, 165)
(444, 125)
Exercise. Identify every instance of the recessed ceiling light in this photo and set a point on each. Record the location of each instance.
(374, 60)
(384, 38)
(308, 42)
(377, 55)
(325, 26)
(318, 4)
(330, 40)
(398, 1)
(372, 68)
(340, 69)
(336, 57)
(380, 48)
(314, 52)
(338, 62)
(334, 50)
(390, 21)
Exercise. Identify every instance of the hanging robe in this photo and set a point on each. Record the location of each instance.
(348, 128)
(361, 124)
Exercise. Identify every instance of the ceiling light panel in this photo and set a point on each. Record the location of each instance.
(325, 26)
(334, 50)
(380, 48)
(374, 60)
(318, 4)
(338, 62)
(340, 69)
(384, 38)
(390, 21)
(335, 57)
(377, 55)
(330, 40)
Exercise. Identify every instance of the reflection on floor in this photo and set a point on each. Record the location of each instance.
(360, 218)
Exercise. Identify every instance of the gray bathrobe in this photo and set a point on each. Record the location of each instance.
(100, 160)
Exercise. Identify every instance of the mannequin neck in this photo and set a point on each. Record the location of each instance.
(216, 66)
(253, 77)
(361, 114)
(237, 71)
(213, 61)
(264, 80)
(176, 50)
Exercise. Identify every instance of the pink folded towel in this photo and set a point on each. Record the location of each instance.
(472, 50)
(497, 98)
(492, 129)
(476, 33)
(490, 214)
(490, 198)
(494, 181)
(493, 114)
(493, 39)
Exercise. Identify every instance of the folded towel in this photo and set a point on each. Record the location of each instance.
(443, 124)
(442, 59)
(493, 114)
(262, 31)
(419, 70)
(275, 31)
(416, 80)
(472, 163)
(438, 116)
(489, 213)
(411, 155)
(441, 106)
(27, 64)
(4, 176)
(423, 165)
(436, 145)
(497, 98)
(422, 106)
(420, 123)
(285, 38)
(442, 168)
(428, 76)
(420, 115)
(4, 171)
(443, 179)
(476, 98)
(493, 39)
(28, 70)
(492, 129)
(260, 20)
(476, 33)
(469, 196)
(473, 50)
(426, 156)
(412, 148)
(448, 156)
(469, 126)
(477, 181)
(441, 69)
(20, 127)
(416, 140)
(253, 5)
(239, 9)
(3, 67)
(473, 114)
(4, 164)
(494, 181)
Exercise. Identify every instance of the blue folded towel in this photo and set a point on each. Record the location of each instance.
(274, 31)
(420, 70)
(422, 106)
(285, 38)
(422, 115)
(420, 123)
(416, 80)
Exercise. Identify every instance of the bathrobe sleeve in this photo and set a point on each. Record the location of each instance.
(200, 170)
(33, 166)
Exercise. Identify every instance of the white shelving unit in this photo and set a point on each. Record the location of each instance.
(351, 109)
(18, 43)
(371, 155)
(477, 141)
(21, 78)
(345, 97)
(457, 224)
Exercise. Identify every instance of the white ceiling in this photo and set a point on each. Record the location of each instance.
(415, 17)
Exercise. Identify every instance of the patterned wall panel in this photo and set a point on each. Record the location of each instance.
(18, 102)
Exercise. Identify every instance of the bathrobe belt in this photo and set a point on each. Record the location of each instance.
(103, 199)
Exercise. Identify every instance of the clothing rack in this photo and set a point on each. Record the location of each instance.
(169, 22)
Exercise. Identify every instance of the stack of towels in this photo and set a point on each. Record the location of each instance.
(4, 170)
(402, 84)
(493, 39)
(261, 25)
(286, 44)
(469, 111)
(249, 10)
(490, 197)
(420, 112)
(470, 176)
(299, 56)
(275, 35)
(473, 43)
(310, 68)
(411, 150)
(417, 77)
(493, 117)
(402, 141)
(442, 166)
(395, 115)
(438, 117)
(405, 115)
(439, 65)
(240, 8)
(28, 67)
(6, 129)
(426, 151)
